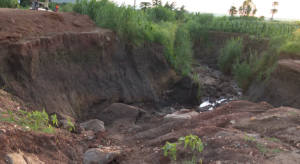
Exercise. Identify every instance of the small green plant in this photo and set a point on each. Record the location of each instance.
(54, 120)
(170, 150)
(262, 148)
(248, 138)
(193, 141)
(276, 150)
(272, 139)
(292, 113)
(72, 126)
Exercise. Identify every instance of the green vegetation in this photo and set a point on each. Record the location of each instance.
(63, 7)
(170, 150)
(231, 52)
(191, 142)
(35, 120)
(8, 3)
(248, 138)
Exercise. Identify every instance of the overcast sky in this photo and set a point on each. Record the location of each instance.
(286, 9)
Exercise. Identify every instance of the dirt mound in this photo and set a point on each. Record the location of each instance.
(282, 88)
(231, 134)
(54, 16)
(29, 24)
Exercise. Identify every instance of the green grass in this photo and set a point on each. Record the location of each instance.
(35, 120)
(231, 51)
(135, 27)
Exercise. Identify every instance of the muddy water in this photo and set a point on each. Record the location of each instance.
(217, 89)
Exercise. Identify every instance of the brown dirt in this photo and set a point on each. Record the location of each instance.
(282, 88)
(28, 24)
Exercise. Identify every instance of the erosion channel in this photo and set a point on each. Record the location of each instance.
(117, 103)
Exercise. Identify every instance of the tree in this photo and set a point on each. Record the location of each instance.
(261, 18)
(171, 6)
(232, 10)
(274, 11)
(246, 8)
(144, 5)
(156, 3)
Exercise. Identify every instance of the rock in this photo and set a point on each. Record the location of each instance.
(102, 155)
(118, 111)
(3, 130)
(21, 158)
(89, 134)
(78, 129)
(15, 158)
(62, 120)
(185, 91)
(94, 125)
(77, 23)
(223, 134)
(178, 116)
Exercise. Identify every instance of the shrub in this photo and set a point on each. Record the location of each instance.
(160, 13)
(8, 3)
(231, 51)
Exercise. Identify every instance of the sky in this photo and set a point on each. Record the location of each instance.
(288, 9)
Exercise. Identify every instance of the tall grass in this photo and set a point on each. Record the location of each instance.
(8, 3)
(231, 51)
(135, 27)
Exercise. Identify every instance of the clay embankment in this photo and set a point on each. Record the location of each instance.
(282, 88)
(79, 74)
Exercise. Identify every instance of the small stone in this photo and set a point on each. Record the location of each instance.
(298, 127)
(27, 128)
(90, 137)
(245, 145)
(108, 38)
(138, 142)
(297, 151)
(252, 119)
(3, 130)
(298, 144)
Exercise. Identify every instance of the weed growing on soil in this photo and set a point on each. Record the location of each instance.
(248, 138)
(192, 141)
(54, 120)
(35, 120)
(170, 150)
(262, 148)
(72, 126)
(272, 139)
(231, 51)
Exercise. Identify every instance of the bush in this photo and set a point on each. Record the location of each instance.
(243, 72)
(8, 3)
(160, 13)
(231, 51)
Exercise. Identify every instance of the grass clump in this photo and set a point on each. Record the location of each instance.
(190, 142)
(35, 120)
(231, 51)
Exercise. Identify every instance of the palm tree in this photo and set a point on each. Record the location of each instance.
(173, 5)
(182, 8)
(274, 11)
(246, 8)
(156, 3)
(145, 5)
(232, 10)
